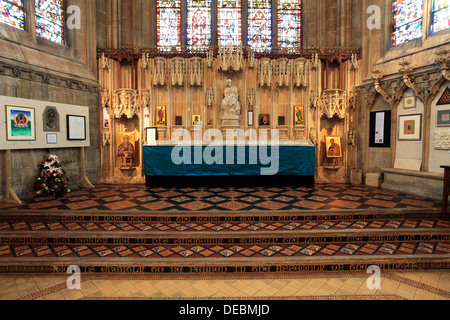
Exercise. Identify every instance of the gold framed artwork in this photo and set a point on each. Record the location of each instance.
(126, 147)
(409, 102)
(160, 115)
(20, 124)
(299, 116)
(333, 145)
(410, 127)
(196, 120)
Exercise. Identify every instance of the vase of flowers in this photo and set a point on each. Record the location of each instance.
(51, 180)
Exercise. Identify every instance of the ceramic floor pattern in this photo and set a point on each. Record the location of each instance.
(137, 197)
(420, 285)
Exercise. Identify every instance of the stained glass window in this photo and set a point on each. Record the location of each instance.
(12, 13)
(260, 24)
(50, 20)
(168, 24)
(289, 23)
(229, 22)
(407, 20)
(441, 15)
(198, 23)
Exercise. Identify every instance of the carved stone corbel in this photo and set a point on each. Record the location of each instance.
(443, 60)
(377, 76)
(405, 70)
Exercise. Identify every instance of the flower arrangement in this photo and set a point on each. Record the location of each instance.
(51, 180)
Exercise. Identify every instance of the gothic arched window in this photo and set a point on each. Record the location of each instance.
(168, 24)
(441, 15)
(50, 20)
(229, 22)
(12, 13)
(407, 22)
(289, 23)
(198, 23)
(260, 24)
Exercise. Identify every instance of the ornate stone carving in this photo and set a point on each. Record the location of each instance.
(210, 97)
(230, 58)
(251, 58)
(126, 102)
(315, 61)
(195, 71)
(251, 98)
(265, 72)
(443, 60)
(282, 72)
(210, 57)
(354, 61)
(104, 62)
(104, 98)
(333, 102)
(159, 71)
(301, 72)
(377, 76)
(177, 71)
(442, 140)
(145, 60)
(145, 98)
(405, 70)
(231, 107)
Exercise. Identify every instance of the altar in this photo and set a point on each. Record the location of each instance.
(286, 161)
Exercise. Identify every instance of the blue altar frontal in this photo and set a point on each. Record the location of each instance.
(292, 158)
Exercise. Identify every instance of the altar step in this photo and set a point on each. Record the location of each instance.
(209, 242)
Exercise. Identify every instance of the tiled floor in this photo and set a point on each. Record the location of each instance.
(410, 285)
(426, 285)
(137, 197)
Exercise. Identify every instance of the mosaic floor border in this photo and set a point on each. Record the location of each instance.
(115, 277)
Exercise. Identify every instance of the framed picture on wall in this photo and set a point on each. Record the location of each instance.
(443, 118)
(264, 119)
(299, 116)
(51, 119)
(20, 124)
(76, 127)
(380, 129)
(333, 145)
(409, 102)
(161, 116)
(196, 120)
(410, 127)
(151, 134)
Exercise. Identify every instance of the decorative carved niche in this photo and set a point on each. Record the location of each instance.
(159, 71)
(126, 102)
(283, 72)
(230, 58)
(301, 72)
(195, 71)
(265, 72)
(177, 71)
(333, 102)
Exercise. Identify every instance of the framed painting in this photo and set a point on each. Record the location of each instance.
(51, 120)
(76, 127)
(151, 134)
(333, 145)
(410, 127)
(178, 120)
(126, 147)
(443, 118)
(52, 138)
(409, 102)
(20, 124)
(161, 116)
(264, 119)
(380, 129)
(281, 120)
(299, 116)
(196, 120)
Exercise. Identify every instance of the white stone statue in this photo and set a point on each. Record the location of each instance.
(231, 108)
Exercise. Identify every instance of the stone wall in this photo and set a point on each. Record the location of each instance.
(37, 69)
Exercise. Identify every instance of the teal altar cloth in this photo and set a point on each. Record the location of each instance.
(286, 159)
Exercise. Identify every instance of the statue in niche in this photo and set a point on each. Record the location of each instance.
(231, 108)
